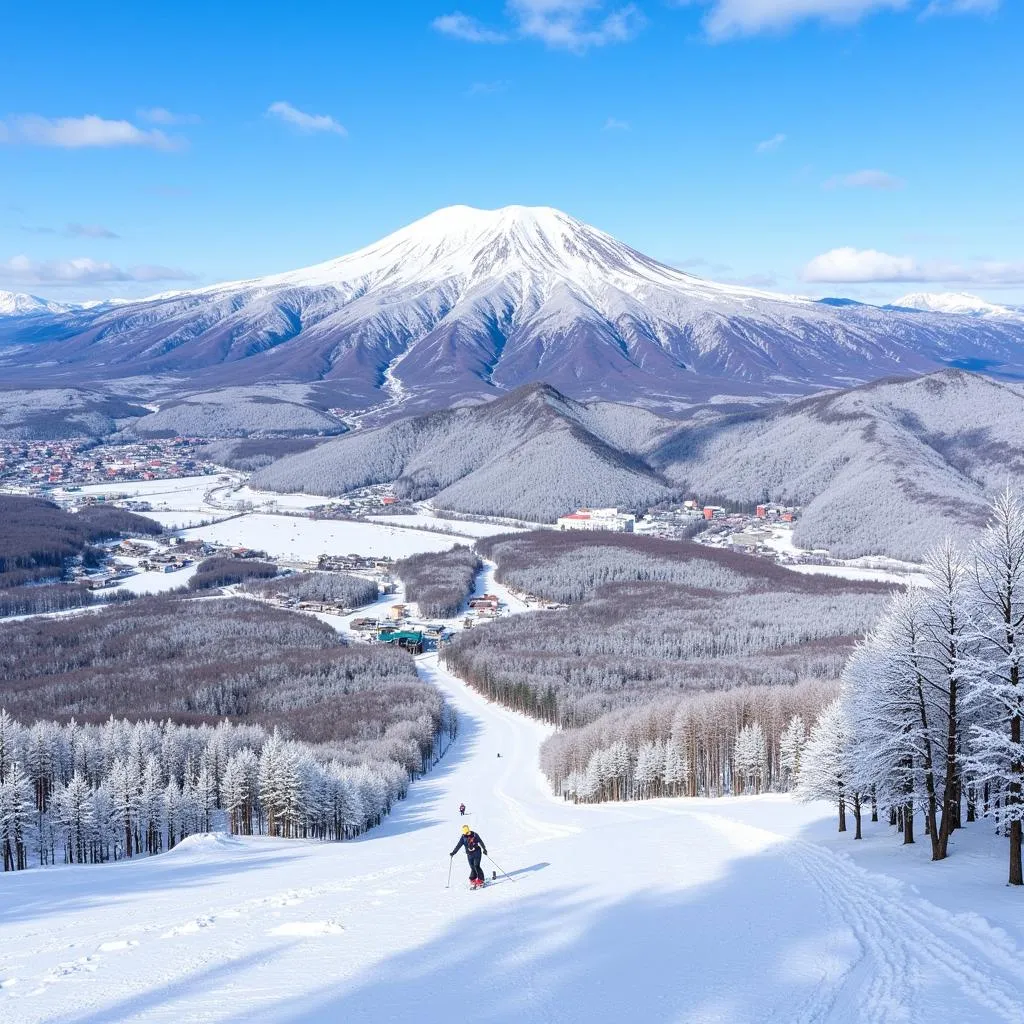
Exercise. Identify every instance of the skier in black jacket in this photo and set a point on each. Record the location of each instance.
(474, 848)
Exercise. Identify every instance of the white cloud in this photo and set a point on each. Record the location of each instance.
(84, 270)
(161, 115)
(305, 122)
(575, 25)
(729, 18)
(613, 124)
(847, 265)
(462, 26)
(89, 231)
(865, 179)
(768, 145)
(961, 7)
(80, 132)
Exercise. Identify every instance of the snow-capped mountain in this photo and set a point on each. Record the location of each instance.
(956, 302)
(21, 304)
(467, 303)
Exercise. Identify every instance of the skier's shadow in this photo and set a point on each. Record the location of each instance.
(524, 871)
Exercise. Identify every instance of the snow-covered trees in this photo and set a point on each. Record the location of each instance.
(824, 774)
(791, 749)
(997, 692)
(750, 757)
(98, 793)
(439, 581)
(932, 700)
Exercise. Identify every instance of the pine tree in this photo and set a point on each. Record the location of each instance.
(823, 773)
(791, 749)
(750, 756)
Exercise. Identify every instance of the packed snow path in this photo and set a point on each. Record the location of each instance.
(683, 911)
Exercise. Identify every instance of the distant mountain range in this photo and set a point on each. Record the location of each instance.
(885, 468)
(467, 304)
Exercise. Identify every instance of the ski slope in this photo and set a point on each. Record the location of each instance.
(735, 910)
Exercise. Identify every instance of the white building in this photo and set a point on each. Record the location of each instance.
(598, 519)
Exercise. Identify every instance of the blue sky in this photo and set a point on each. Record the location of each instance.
(858, 147)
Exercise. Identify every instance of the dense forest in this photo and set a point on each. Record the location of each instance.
(341, 588)
(325, 711)
(224, 570)
(439, 581)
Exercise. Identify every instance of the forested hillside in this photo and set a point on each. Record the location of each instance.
(886, 468)
(223, 707)
(659, 636)
(439, 581)
(881, 469)
(533, 455)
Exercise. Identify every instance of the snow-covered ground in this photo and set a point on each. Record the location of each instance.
(157, 581)
(306, 539)
(463, 527)
(879, 570)
(736, 910)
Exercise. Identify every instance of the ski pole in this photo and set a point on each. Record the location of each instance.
(499, 867)
(451, 860)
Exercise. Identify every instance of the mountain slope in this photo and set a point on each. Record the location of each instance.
(533, 454)
(467, 304)
(887, 468)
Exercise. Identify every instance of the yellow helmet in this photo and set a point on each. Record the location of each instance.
(465, 830)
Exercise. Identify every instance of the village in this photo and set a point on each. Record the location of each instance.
(36, 467)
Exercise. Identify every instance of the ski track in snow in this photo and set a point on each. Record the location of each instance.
(688, 911)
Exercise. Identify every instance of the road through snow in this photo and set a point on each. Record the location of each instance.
(734, 910)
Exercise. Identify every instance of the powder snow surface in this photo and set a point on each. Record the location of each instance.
(684, 911)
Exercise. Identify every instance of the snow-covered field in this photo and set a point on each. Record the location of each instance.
(736, 910)
(306, 539)
(879, 570)
(184, 493)
(465, 528)
(157, 581)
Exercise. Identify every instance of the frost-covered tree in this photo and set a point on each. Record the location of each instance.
(824, 772)
(997, 692)
(750, 757)
(791, 749)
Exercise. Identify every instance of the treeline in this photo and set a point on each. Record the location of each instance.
(747, 739)
(48, 599)
(77, 793)
(929, 718)
(341, 588)
(223, 570)
(439, 581)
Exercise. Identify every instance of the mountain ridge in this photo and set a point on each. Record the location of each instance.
(465, 305)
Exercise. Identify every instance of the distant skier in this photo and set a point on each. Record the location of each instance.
(474, 849)
(462, 808)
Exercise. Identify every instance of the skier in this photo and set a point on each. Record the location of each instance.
(462, 809)
(474, 848)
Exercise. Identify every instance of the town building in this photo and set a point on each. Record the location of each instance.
(598, 519)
